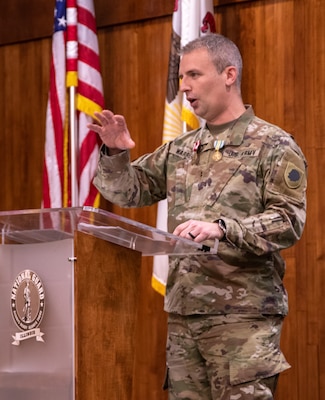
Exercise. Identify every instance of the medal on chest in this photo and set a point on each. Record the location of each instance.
(218, 145)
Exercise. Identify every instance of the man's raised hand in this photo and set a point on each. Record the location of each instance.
(112, 130)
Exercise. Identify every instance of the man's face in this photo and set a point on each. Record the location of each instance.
(205, 89)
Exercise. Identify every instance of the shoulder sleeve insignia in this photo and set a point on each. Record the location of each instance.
(293, 176)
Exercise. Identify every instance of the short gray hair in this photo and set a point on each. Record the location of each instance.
(224, 53)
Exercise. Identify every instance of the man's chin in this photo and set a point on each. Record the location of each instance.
(195, 109)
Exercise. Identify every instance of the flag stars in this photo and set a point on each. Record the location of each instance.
(62, 22)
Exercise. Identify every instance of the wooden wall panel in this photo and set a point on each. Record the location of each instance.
(24, 71)
(33, 19)
(313, 64)
(283, 46)
(134, 87)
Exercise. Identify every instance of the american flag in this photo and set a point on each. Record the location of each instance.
(74, 63)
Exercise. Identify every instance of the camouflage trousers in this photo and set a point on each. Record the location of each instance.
(223, 357)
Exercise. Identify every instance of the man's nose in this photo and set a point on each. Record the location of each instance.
(183, 86)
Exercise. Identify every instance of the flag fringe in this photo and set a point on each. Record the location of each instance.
(158, 286)
(190, 119)
(72, 79)
(87, 106)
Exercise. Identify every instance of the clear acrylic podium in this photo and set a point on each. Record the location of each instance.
(88, 261)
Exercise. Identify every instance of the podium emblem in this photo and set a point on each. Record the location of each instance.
(27, 306)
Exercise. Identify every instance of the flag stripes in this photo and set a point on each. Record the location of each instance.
(53, 161)
(90, 99)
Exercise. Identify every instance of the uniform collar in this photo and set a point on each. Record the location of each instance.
(233, 132)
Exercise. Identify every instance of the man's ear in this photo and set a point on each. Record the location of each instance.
(231, 75)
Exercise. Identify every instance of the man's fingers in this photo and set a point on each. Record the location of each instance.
(112, 129)
(105, 117)
(94, 127)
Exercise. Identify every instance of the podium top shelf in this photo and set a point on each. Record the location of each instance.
(48, 225)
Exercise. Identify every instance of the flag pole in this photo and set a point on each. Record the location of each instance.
(73, 147)
(72, 83)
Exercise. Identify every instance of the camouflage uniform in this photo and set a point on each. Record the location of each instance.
(258, 189)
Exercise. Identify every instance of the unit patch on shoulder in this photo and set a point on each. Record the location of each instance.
(293, 176)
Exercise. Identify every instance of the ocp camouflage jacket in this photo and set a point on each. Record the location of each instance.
(258, 188)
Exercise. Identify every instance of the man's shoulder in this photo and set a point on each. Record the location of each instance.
(265, 127)
(273, 138)
(268, 131)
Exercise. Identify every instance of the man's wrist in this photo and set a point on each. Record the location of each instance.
(222, 225)
(107, 151)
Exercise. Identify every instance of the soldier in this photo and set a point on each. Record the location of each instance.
(239, 180)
